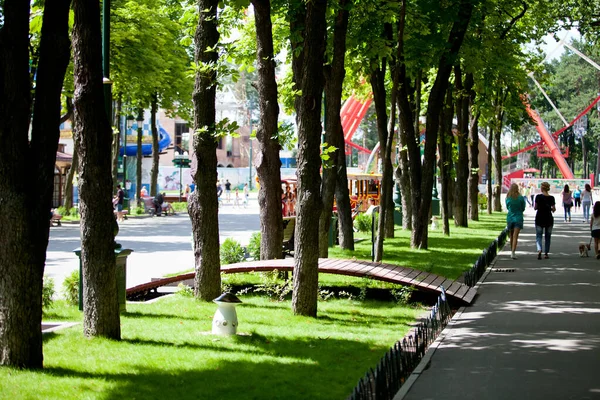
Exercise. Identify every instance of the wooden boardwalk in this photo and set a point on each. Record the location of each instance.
(423, 281)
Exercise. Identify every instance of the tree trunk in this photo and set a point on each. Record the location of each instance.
(462, 133)
(498, 159)
(94, 134)
(155, 152)
(445, 152)
(268, 163)
(379, 98)
(474, 167)
(202, 204)
(138, 161)
(68, 200)
(306, 249)
(116, 145)
(490, 194)
(422, 197)
(334, 136)
(27, 188)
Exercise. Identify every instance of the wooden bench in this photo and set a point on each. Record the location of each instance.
(289, 226)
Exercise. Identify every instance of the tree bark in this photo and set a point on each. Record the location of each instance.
(202, 205)
(462, 163)
(155, 153)
(116, 145)
(68, 201)
(379, 98)
(268, 163)
(499, 116)
(490, 194)
(445, 151)
(27, 188)
(434, 106)
(94, 134)
(306, 249)
(334, 136)
(474, 167)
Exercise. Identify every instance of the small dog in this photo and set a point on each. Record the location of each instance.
(583, 249)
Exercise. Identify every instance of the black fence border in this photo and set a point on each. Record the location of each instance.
(472, 276)
(399, 362)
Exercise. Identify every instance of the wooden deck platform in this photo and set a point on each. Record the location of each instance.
(424, 281)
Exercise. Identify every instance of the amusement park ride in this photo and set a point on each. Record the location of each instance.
(354, 110)
(547, 146)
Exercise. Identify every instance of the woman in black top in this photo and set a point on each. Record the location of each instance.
(544, 221)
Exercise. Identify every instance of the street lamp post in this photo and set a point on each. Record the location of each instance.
(138, 180)
(129, 126)
(250, 156)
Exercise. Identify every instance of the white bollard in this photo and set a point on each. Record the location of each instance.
(225, 321)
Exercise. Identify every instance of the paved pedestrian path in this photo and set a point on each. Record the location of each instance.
(531, 334)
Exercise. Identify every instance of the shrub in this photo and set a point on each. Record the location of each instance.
(271, 286)
(402, 294)
(363, 222)
(231, 252)
(139, 211)
(180, 207)
(48, 292)
(254, 246)
(71, 288)
(185, 290)
(482, 201)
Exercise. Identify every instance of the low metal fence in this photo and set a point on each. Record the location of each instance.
(383, 382)
(472, 276)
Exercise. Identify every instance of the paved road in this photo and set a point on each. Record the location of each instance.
(161, 245)
(531, 334)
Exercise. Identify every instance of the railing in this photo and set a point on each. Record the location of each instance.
(472, 276)
(399, 362)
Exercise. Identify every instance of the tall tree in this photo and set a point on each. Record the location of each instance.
(203, 206)
(268, 164)
(27, 187)
(335, 179)
(462, 134)
(309, 79)
(94, 136)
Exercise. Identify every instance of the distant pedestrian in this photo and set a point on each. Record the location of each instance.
(567, 200)
(236, 199)
(595, 228)
(544, 220)
(577, 198)
(227, 190)
(586, 202)
(118, 200)
(515, 204)
(246, 194)
(187, 191)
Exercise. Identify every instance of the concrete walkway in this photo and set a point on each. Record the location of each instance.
(531, 334)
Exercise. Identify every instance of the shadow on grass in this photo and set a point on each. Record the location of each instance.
(316, 368)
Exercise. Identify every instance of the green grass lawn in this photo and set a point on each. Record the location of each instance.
(167, 353)
(448, 256)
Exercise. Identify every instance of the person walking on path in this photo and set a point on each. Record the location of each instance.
(119, 199)
(227, 190)
(595, 228)
(544, 221)
(577, 198)
(567, 199)
(246, 195)
(586, 202)
(532, 193)
(525, 190)
(515, 204)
